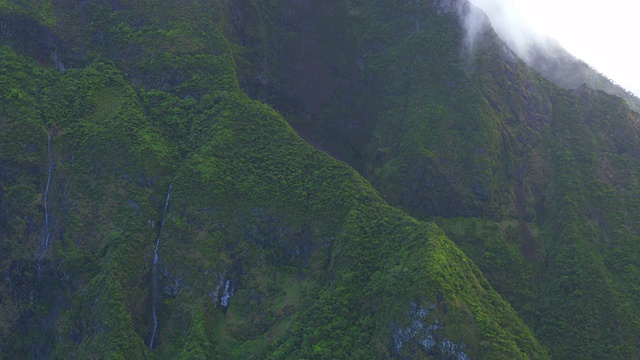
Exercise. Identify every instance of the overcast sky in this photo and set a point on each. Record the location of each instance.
(604, 34)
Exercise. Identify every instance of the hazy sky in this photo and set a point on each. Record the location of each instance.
(605, 34)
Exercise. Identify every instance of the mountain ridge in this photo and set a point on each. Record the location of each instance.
(273, 249)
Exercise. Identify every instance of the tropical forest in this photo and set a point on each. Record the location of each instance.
(305, 179)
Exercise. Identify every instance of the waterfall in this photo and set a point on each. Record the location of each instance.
(46, 233)
(154, 274)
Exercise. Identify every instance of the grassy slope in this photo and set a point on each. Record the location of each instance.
(537, 184)
(317, 264)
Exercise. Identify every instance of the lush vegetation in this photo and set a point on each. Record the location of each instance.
(535, 183)
(496, 220)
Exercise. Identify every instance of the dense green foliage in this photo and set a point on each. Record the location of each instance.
(129, 125)
(292, 230)
(536, 184)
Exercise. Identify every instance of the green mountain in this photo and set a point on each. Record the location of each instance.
(306, 180)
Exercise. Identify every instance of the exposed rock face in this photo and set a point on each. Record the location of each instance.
(428, 337)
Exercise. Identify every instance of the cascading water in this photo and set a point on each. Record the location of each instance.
(46, 231)
(154, 274)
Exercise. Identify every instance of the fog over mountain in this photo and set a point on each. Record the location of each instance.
(532, 29)
(505, 20)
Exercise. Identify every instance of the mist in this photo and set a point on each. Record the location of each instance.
(601, 35)
(507, 20)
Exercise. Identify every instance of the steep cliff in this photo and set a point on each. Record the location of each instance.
(172, 185)
(534, 182)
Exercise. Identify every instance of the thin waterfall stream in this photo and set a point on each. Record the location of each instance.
(46, 233)
(154, 274)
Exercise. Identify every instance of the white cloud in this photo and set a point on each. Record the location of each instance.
(603, 34)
